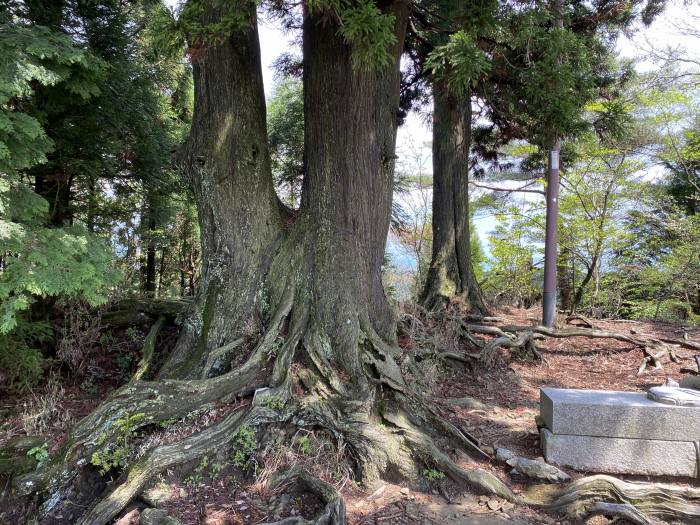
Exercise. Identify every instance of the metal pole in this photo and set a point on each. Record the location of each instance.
(549, 296)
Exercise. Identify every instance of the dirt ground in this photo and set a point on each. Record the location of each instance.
(509, 392)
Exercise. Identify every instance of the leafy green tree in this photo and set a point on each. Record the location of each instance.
(285, 120)
(513, 277)
(37, 261)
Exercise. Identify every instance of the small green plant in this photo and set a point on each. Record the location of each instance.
(194, 479)
(40, 454)
(117, 454)
(432, 474)
(273, 402)
(107, 339)
(132, 334)
(215, 469)
(304, 445)
(89, 387)
(124, 361)
(167, 423)
(245, 445)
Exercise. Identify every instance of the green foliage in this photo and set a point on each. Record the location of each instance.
(285, 130)
(167, 423)
(304, 445)
(46, 262)
(194, 479)
(370, 32)
(432, 474)
(460, 61)
(117, 453)
(512, 275)
(197, 23)
(21, 360)
(244, 444)
(36, 56)
(40, 454)
(273, 402)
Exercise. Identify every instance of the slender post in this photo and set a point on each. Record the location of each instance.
(549, 296)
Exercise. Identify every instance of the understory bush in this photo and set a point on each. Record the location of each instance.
(22, 363)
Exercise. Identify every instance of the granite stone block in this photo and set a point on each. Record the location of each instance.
(604, 413)
(620, 456)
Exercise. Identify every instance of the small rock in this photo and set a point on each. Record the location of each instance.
(405, 491)
(537, 469)
(483, 500)
(503, 454)
(157, 517)
(159, 495)
(493, 504)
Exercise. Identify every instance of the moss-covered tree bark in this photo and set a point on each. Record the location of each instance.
(451, 273)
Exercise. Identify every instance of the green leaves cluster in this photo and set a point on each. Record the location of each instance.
(45, 262)
(38, 261)
(115, 454)
(369, 31)
(29, 56)
(460, 62)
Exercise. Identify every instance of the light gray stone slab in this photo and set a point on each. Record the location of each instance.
(606, 413)
(620, 456)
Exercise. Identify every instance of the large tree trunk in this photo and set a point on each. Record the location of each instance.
(226, 159)
(451, 273)
(311, 281)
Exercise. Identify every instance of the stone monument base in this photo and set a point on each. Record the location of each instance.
(619, 433)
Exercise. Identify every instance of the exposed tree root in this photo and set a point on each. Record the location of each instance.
(149, 349)
(151, 401)
(655, 349)
(422, 443)
(333, 512)
(391, 431)
(581, 498)
(158, 460)
(618, 510)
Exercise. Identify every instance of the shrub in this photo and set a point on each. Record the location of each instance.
(21, 368)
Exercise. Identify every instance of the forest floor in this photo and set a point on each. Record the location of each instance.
(216, 494)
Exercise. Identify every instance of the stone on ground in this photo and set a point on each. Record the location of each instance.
(620, 456)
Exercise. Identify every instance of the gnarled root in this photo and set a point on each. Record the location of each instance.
(333, 512)
(583, 497)
(148, 351)
(152, 402)
(655, 349)
(158, 460)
